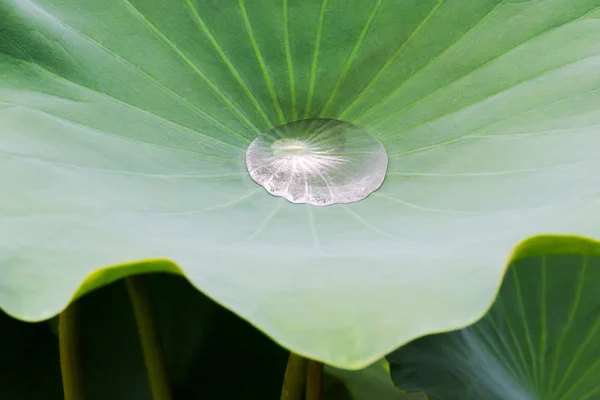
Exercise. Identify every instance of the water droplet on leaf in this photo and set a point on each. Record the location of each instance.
(318, 161)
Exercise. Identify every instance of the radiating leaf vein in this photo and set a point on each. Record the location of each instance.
(289, 60)
(315, 60)
(389, 62)
(261, 62)
(350, 60)
(154, 29)
(411, 105)
(204, 28)
(164, 88)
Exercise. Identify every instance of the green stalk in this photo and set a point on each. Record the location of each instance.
(314, 380)
(69, 354)
(151, 349)
(294, 378)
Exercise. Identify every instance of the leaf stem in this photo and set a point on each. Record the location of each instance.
(151, 349)
(314, 380)
(294, 378)
(69, 354)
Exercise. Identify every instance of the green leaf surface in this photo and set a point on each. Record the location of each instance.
(540, 340)
(124, 125)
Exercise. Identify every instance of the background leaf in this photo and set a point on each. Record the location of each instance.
(124, 125)
(209, 352)
(372, 382)
(29, 366)
(540, 340)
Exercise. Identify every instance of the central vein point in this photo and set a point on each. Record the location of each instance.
(290, 147)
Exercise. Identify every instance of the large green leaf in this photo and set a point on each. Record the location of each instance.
(124, 124)
(540, 340)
